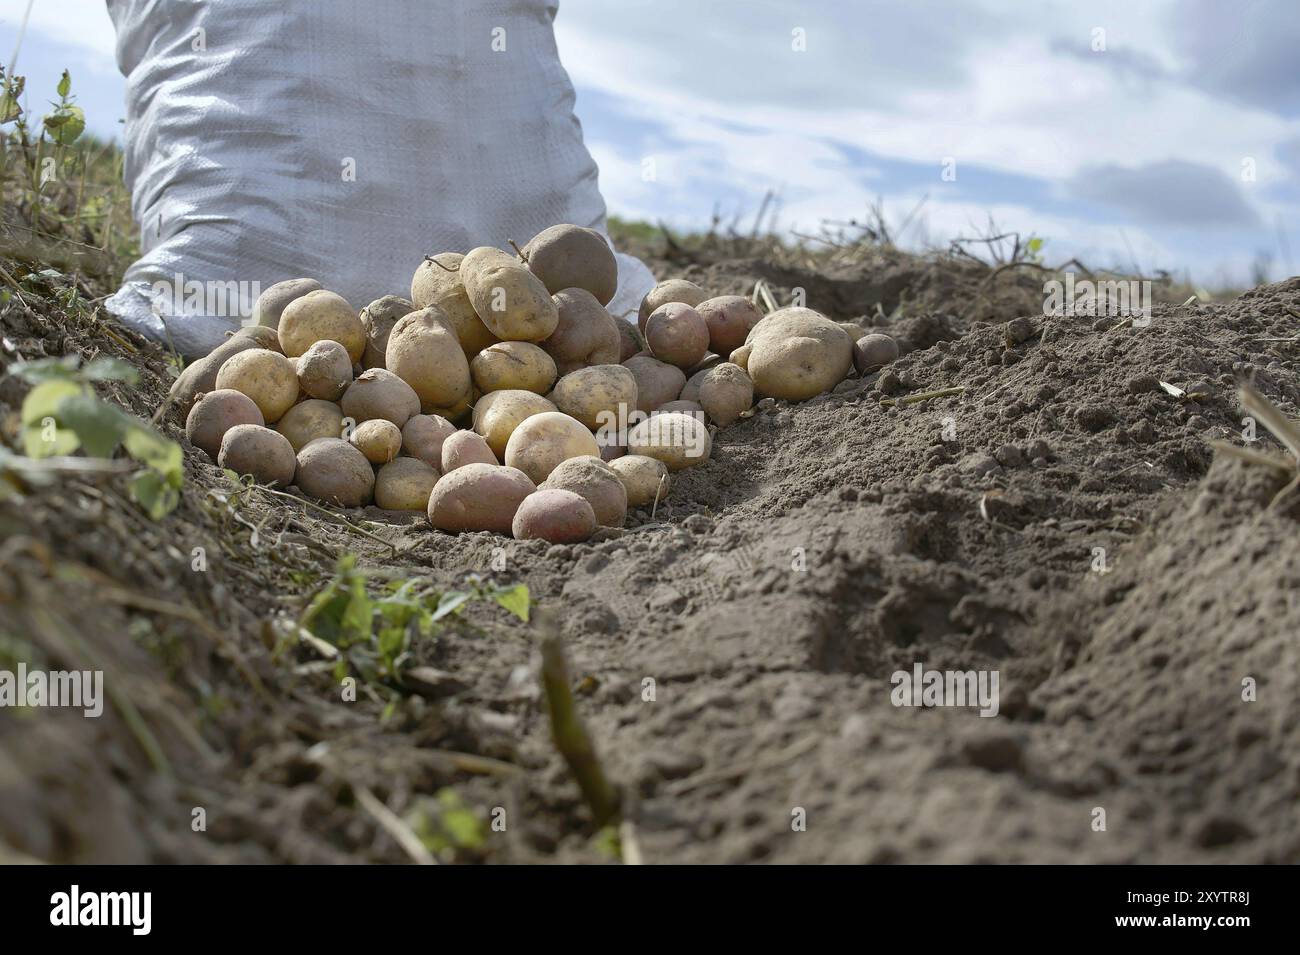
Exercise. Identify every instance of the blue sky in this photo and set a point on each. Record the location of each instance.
(1165, 132)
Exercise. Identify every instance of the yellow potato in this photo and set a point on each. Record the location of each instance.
(261, 452)
(657, 382)
(311, 419)
(796, 353)
(678, 440)
(200, 377)
(596, 481)
(270, 305)
(333, 471)
(424, 352)
(515, 366)
(378, 393)
(321, 316)
(674, 290)
(496, 415)
(642, 477)
(263, 375)
(586, 333)
(543, 440)
(599, 396)
(379, 440)
(513, 302)
(404, 484)
(725, 393)
(435, 285)
(465, 447)
(378, 319)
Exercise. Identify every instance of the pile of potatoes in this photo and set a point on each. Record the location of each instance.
(502, 395)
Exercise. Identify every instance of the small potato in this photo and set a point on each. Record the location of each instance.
(513, 366)
(324, 370)
(657, 382)
(569, 256)
(311, 419)
(704, 364)
(424, 351)
(379, 440)
(216, 413)
(478, 497)
(270, 305)
(676, 333)
(725, 393)
(554, 515)
(586, 334)
(423, 436)
(543, 440)
(378, 319)
(513, 302)
(333, 471)
(611, 452)
(691, 390)
(200, 377)
(642, 477)
(379, 393)
(404, 484)
(740, 357)
(496, 415)
(674, 290)
(855, 330)
(797, 353)
(465, 447)
(678, 440)
(265, 376)
(321, 316)
(434, 284)
(684, 407)
(630, 341)
(596, 482)
(599, 396)
(261, 452)
(729, 319)
(874, 351)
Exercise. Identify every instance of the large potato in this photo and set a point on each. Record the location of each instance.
(404, 484)
(496, 415)
(513, 302)
(599, 396)
(678, 440)
(586, 333)
(265, 376)
(594, 480)
(378, 393)
(324, 370)
(379, 440)
(643, 478)
(216, 413)
(425, 353)
(478, 497)
(378, 319)
(726, 392)
(200, 377)
(554, 515)
(674, 290)
(513, 366)
(465, 447)
(796, 353)
(333, 471)
(677, 334)
(261, 452)
(270, 305)
(569, 256)
(311, 419)
(321, 316)
(437, 282)
(729, 319)
(423, 436)
(543, 440)
(657, 382)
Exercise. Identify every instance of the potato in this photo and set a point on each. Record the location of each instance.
(797, 353)
(611, 452)
(642, 477)
(874, 351)
(216, 413)
(311, 419)
(379, 440)
(596, 482)
(680, 406)
(674, 290)
(324, 370)
(321, 316)
(691, 390)
(478, 497)
(729, 319)
(678, 440)
(630, 341)
(657, 382)
(740, 357)
(554, 515)
(543, 440)
(704, 364)
(378, 319)
(599, 396)
(513, 302)
(424, 351)
(465, 447)
(855, 330)
(200, 377)
(676, 333)
(725, 393)
(261, 452)
(496, 415)
(379, 393)
(404, 484)
(513, 366)
(423, 435)
(333, 471)
(569, 256)
(270, 305)
(265, 376)
(435, 285)
(586, 333)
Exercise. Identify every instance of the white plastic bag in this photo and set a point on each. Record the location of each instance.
(340, 140)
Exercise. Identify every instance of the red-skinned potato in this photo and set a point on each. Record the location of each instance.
(261, 452)
(676, 333)
(657, 382)
(379, 393)
(423, 436)
(555, 516)
(596, 481)
(585, 335)
(478, 497)
(333, 471)
(465, 447)
(216, 413)
(874, 351)
(729, 319)
(674, 290)
(569, 256)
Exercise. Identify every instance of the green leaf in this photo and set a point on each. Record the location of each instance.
(111, 369)
(43, 401)
(46, 369)
(451, 602)
(66, 124)
(1034, 245)
(153, 450)
(99, 425)
(9, 97)
(65, 85)
(153, 493)
(516, 599)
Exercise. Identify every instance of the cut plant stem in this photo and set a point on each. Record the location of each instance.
(923, 396)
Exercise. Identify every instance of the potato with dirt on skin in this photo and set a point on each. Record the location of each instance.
(311, 419)
(797, 353)
(855, 331)
(726, 392)
(378, 319)
(496, 415)
(270, 305)
(610, 452)
(435, 285)
(673, 290)
(333, 471)
(691, 390)
(424, 352)
(543, 440)
(729, 319)
(740, 357)
(681, 407)
(594, 480)
(378, 393)
(478, 497)
(265, 376)
(569, 256)
(676, 333)
(200, 376)
(513, 366)
(321, 315)
(873, 352)
(643, 478)
(630, 340)
(678, 440)
(657, 382)
(324, 370)
(216, 413)
(513, 302)
(404, 484)
(555, 516)
(423, 436)
(465, 447)
(259, 451)
(599, 396)
(378, 439)
(586, 333)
